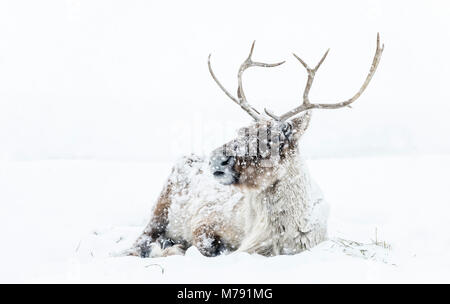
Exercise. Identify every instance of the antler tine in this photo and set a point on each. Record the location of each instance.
(311, 74)
(306, 105)
(321, 60)
(218, 82)
(242, 100)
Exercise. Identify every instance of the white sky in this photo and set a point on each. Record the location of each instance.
(128, 79)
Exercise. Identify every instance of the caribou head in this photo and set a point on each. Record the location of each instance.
(254, 157)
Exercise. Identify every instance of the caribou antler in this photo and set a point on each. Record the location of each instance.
(242, 100)
(306, 105)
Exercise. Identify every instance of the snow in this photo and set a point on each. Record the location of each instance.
(107, 79)
(98, 99)
(64, 221)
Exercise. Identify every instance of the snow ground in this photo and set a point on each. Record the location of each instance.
(60, 221)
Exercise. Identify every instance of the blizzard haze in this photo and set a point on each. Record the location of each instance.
(128, 80)
(99, 97)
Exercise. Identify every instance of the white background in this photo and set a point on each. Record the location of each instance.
(128, 80)
(97, 99)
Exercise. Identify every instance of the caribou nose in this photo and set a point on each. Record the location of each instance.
(222, 168)
(218, 173)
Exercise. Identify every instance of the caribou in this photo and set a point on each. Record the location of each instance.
(254, 194)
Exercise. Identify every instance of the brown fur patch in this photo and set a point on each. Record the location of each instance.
(273, 144)
(207, 240)
(251, 173)
(159, 221)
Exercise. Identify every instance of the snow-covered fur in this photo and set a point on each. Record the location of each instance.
(284, 213)
(287, 218)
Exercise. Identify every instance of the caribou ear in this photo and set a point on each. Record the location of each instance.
(301, 123)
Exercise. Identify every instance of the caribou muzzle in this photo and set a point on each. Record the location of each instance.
(222, 168)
